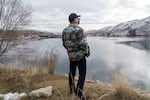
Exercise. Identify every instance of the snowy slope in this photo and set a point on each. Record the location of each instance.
(131, 28)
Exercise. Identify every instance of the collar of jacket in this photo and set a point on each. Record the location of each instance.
(76, 25)
(73, 25)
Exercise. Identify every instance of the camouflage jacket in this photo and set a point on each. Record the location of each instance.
(75, 42)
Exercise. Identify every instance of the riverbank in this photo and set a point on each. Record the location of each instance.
(28, 79)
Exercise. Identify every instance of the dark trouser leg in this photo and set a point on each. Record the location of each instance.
(72, 75)
(82, 73)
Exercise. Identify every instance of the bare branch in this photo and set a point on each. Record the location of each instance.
(14, 15)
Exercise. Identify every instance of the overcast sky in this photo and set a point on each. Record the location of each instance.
(52, 15)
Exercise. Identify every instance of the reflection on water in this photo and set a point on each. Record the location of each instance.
(107, 56)
(142, 44)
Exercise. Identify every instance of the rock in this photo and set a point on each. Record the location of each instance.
(47, 92)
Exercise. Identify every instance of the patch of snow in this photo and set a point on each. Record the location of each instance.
(12, 96)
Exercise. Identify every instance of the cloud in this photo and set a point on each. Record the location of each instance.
(52, 15)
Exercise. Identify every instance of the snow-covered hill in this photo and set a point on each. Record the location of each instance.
(131, 28)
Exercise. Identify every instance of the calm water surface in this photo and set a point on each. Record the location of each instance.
(128, 55)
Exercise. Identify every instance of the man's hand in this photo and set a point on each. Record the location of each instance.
(88, 52)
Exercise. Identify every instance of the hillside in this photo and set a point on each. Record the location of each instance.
(139, 27)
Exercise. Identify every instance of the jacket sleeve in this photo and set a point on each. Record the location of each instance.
(82, 41)
(63, 39)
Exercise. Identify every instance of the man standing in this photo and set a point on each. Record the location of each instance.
(77, 48)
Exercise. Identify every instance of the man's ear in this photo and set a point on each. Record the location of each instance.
(73, 21)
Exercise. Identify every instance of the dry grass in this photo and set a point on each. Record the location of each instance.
(123, 90)
(46, 62)
(49, 61)
(29, 78)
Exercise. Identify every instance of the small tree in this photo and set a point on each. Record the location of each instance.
(132, 33)
(14, 15)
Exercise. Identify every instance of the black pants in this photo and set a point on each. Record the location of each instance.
(81, 64)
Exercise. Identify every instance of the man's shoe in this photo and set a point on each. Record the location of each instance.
(71, 92)
(84, 98)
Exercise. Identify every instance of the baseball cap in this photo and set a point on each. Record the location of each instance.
(72, 16)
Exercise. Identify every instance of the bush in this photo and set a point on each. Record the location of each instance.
(123, 90)
(49, 61)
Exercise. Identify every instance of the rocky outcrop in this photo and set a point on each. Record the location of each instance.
(47, 92)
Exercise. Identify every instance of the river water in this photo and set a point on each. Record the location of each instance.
(108, 55)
